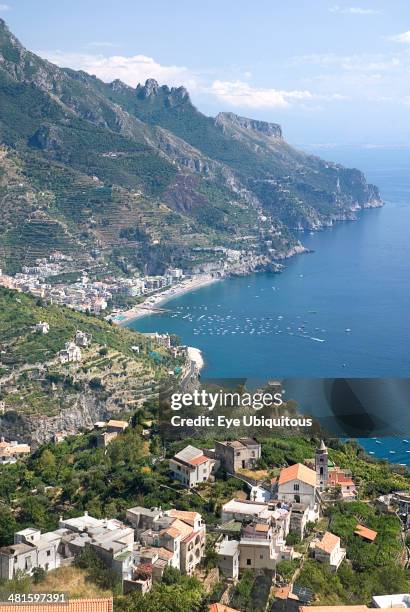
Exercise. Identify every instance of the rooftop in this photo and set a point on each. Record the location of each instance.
(185, 515)
(244, 506)
(328, 542)
(192, 455)
(114, 423)
(399, 600)
(74, 605)
(228, 548)
(365, 532)
(16, 549)
(298, 472)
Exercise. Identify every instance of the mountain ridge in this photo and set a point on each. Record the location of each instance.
(103, 159)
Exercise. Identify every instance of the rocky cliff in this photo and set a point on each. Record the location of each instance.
(103, 161)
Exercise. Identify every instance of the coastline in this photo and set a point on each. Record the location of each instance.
(152, 303)
(196, 356)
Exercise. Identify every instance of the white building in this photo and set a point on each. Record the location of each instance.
(228, 558)
(327, 550)
(399, 600)
(10, 452)
(42, 327)
(297, 483)
(181, 532)
(31, 549)
(71, 353)
(191, 467)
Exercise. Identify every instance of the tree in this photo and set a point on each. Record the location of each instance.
(8, 526)
(38, 574)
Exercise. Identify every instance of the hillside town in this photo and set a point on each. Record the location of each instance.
(58, 280)
(54, 279)
(280, 523)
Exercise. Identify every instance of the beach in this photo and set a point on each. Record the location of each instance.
(195, 355)
(152, 304)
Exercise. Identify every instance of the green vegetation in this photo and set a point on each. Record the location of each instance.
(175, 593)
(116, 375)
(76, 475)
(98, 170)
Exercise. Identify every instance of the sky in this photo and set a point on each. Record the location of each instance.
(330, 72)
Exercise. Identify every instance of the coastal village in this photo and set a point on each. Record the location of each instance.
(281, 524)
(275, 521)
(58, 280)
(226, 513)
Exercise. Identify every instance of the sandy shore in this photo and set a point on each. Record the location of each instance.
(152, 303)
(195, 355)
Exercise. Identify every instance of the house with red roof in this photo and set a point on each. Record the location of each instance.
(191, 466)
(327, 550)
(297, 484)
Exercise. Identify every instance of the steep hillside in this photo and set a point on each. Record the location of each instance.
(42, 395)
(115, 174)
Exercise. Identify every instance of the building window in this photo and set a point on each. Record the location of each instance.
(248, 561)
(260, 556)
(48, 553)
(296, 487)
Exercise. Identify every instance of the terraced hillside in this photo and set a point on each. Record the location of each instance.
(41, 395)
(117, 174)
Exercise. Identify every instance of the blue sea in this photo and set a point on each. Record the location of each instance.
(341, 311)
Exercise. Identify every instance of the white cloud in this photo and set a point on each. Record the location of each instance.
(401, 38)
(239, 93)
(137, 68)
(5, 7)
(132, 70)
(353, 10)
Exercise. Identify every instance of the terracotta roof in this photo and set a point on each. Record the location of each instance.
(164, 553)
(337, 477)
(198, 460)
(184, 515)
(261, 527)
(74, 605)
(328, 543)
(218, 607)
(183, 528)
(282, 593)
(297, 472)
(114, 423)
(171, 531)
(365, 532)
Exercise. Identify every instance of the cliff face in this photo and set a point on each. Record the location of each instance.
(226, 120)
(42, 394)
(102, 159)
(83, 412)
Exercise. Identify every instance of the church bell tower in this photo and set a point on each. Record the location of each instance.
(321, 466)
